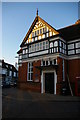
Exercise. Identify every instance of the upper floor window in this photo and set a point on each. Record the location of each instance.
(24, 51)
(55, 44)
(14, 74)
(11, 67)
(50, 33)
(40, 31)
(51, 44)
(47, 44)
(20, 56)
(39, 46)
(3, 71)
(10, 73)
(32, 34)
(71, 46)
(47, 34)
(44, 46)
(78, 45)
(35, 38)
(37, 32)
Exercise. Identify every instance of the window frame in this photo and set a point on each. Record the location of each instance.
(30, 71)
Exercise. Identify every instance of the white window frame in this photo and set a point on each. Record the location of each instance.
(30, 72)
(10, 73)
(55, 44)
(14, 74)
(24, 51)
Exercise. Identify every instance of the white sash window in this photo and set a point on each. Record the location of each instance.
(30, 71)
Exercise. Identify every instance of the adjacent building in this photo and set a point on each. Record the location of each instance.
(8, 72)
(49, 57)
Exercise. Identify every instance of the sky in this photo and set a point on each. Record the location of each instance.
(17, 18)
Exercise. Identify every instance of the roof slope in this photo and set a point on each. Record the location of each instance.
(71, 32)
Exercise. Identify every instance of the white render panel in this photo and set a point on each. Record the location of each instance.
(38, 53)
(43, 36)
(71, 46)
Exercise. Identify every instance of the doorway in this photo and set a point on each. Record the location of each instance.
(49, 83)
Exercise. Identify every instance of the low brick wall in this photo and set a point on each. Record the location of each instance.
(30, 86)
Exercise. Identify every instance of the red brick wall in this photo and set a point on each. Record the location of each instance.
(60, 70)
(74, 69)
(36, 71)
(65, 69)
(22, 74)
(60, 73)
(29, 85)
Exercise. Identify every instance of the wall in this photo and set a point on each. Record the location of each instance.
(36, 71)
(74, 71)
(22, 77)
(22, 74)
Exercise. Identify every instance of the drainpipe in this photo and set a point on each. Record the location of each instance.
(68, 79)
(63, 71)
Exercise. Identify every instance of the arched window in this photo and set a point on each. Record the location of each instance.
(51, 44)
(55, 44)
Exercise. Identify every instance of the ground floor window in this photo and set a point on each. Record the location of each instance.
(30, 71)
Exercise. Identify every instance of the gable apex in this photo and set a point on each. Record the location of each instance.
(37, 24)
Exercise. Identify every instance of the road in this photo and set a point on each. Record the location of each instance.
(21, 104)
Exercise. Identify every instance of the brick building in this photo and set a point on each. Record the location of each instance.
(49, 57)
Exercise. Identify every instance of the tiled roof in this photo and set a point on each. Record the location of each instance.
(20, 51)
(71, 32)
(8, 66)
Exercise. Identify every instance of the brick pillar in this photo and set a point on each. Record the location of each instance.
(59, 75)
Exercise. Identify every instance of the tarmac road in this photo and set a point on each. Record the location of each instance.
(21, 104)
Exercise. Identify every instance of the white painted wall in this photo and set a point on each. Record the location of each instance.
(38, 53)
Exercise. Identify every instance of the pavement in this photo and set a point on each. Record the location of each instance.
(17, 103)
(34, 96)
